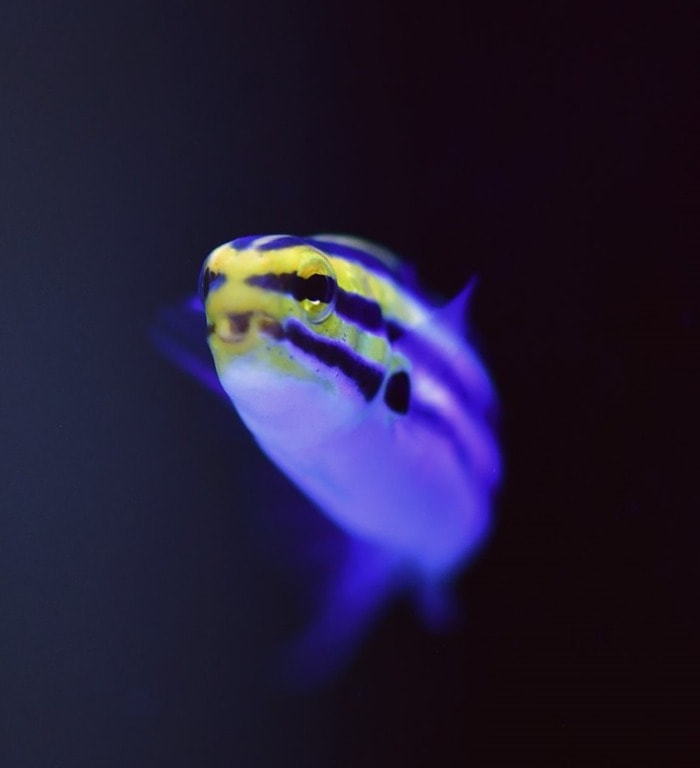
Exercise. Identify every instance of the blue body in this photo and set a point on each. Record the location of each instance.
(396, 446)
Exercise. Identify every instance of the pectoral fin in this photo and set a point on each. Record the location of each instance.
(180, 333)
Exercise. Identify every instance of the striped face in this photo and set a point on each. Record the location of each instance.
(300, 331)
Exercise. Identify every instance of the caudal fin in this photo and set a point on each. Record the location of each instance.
(350, 605)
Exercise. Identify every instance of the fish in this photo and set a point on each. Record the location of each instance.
(369, 397)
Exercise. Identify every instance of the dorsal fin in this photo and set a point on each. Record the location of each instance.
(454, 313)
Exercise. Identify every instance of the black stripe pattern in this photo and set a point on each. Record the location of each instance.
(366, 376)
(359, 310)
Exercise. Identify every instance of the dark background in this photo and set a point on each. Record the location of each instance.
(552, 150)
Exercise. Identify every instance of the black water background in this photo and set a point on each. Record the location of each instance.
(549, 148)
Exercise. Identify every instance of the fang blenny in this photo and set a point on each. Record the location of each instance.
(370, 400)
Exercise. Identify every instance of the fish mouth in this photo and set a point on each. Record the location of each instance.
(236, 327)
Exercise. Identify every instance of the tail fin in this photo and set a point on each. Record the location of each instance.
(367, 579)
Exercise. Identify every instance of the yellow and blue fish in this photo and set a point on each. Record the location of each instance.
(369, 398)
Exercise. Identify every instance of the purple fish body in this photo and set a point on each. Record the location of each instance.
(370, 400)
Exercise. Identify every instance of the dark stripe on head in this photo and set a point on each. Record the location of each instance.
(209, 281)
(244, 243)
(283, 241)
(272, 281)
(401, 272)
(332, 248)
(367, 377)
(328, 247)
(315, 287)
(364, 312)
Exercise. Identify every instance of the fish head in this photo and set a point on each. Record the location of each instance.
(282, 354)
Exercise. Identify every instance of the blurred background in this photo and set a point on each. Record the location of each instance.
(145, 581)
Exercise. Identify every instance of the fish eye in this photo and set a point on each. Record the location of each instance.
(316, 287)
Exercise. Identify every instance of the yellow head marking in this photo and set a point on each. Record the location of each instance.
(249, 294)
(289, 308)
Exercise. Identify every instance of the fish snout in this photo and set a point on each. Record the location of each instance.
(237, 327)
